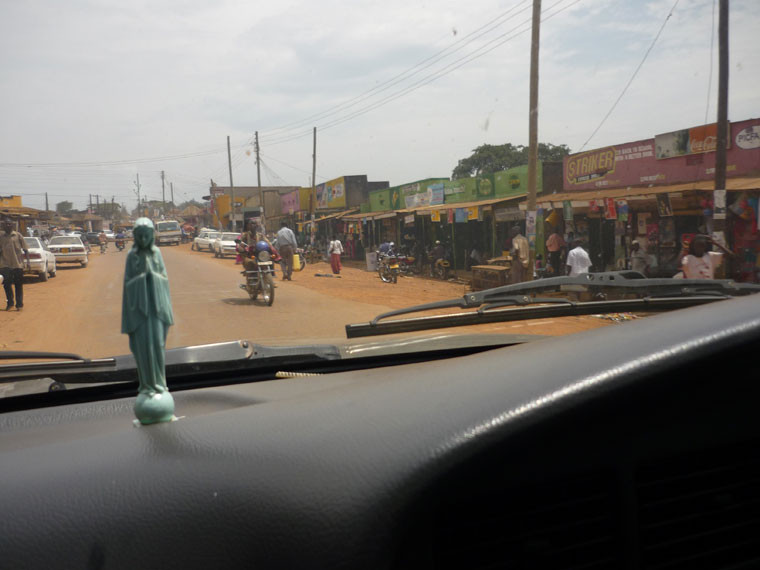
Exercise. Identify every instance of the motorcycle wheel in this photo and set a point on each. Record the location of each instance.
(303, 263)
(267, 289)
(395, 276)
(385, 274)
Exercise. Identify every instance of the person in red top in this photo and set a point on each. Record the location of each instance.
(554, 245)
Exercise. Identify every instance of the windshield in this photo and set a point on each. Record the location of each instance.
(65, 240)
(32, 243)
(326, 134)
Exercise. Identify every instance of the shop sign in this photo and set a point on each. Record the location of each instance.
(409, 220)
(473, 213)
(622, 210)
(635, 163)
(530, 224)
(589, 166)
(509, 214)
(687, 141)
(749, 138)
(450, 216)
(485, 187)
(435, 215)
(460, 215)
(609, 209)
(217, 191)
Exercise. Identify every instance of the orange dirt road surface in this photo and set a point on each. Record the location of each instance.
(79, 310)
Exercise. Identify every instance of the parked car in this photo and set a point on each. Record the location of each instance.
(225, 244)
(68, 249)
(205, 240)
(110, 235)
(41, 260)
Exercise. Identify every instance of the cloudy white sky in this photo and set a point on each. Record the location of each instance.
(93, 92)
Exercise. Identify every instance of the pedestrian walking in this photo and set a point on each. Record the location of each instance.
(520, 256)
(286, 246)
(13, 254)
(335, 249)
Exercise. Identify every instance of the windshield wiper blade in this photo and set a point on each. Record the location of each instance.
(60, 363)
(496, 315)
(35, 355)
(602, 286)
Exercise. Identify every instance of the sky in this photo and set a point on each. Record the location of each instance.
(95, 93)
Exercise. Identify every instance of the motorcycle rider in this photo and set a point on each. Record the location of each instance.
(120, 237)
(103, 241)
(439, 252)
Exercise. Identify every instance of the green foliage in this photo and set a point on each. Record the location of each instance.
(488, 158)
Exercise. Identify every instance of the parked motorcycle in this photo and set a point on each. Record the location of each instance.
(301, 252)
(407, 264)
(258, 260)
(388, 267)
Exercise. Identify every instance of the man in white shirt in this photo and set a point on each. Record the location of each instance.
(286, 247)
(578, 261)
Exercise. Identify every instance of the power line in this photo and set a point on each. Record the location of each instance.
(632, 76)
(289, 165)
(480, 52)
(410, 72)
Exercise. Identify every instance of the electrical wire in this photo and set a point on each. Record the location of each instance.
(480, 52)
(410, 72)
(627, 85)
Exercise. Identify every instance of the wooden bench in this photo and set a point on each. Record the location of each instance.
(488, 276)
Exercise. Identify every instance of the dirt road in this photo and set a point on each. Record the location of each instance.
(80, 310)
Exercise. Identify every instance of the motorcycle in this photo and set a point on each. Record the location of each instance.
(441, 266)
(388, 267)
(258, 261)
(103, 246)
(120, 244)
(407, 264)
(301, 259)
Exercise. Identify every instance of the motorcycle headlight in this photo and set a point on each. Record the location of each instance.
(264, 256)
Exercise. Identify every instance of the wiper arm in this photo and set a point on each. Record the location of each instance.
(600, 285)
(36, 355)
(60, 363)
(490, 314)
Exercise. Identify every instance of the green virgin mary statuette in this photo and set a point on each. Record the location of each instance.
(146, 315)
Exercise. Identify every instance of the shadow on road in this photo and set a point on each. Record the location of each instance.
(241, 301)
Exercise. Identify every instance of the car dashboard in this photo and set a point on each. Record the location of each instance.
(631, 446)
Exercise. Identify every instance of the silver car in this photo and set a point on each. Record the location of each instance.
(41, 260)
(205, 240)
(225, 244)
(68, 249)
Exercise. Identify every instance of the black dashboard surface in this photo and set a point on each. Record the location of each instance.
(329, 471)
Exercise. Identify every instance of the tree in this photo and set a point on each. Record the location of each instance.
(184, 205)
(64, 208)
(489, 158)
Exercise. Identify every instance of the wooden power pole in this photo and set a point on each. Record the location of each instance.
(313, 198)
(232, 186)
(719, 221)
(533, 134)
(163, 195)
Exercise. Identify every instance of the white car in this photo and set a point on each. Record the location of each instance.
(110, 235)
(41, 260)
(68, 249)
(225, 244)
(205, 240)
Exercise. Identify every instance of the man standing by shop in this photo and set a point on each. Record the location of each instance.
(286, 246)
(13, 253)
(335, 249)
(520, 256)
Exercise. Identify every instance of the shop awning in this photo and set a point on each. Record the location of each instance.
(732, 184)
(488, 202)
(22, 211)
(333, 216)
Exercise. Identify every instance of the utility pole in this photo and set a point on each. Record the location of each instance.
(97, 204)
(232, 186)
(719, 223)
(91, 203)
(139, 212)
(258, 161)
(163, 194)
(313, 200)
(533, 136)
(171, 185)
(47, 207)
